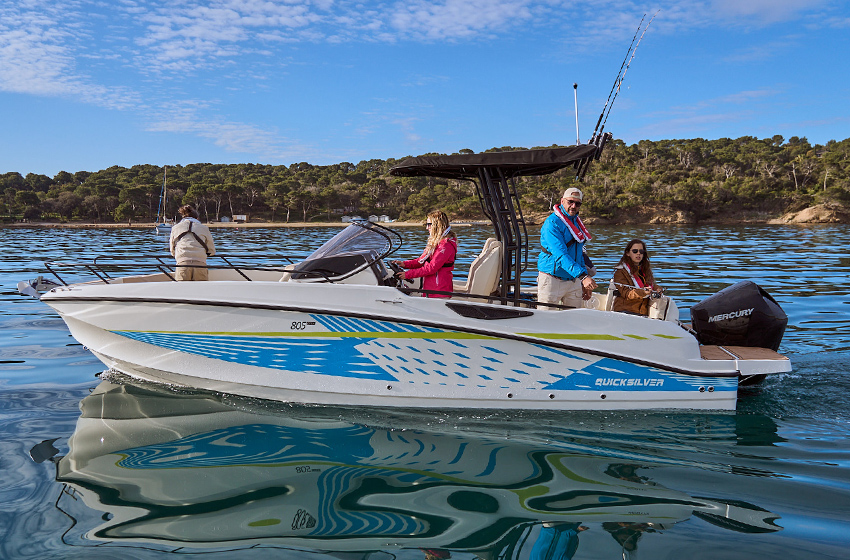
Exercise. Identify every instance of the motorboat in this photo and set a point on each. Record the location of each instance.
(156, 468)
(338, 328)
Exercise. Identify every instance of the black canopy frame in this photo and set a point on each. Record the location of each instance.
(494, 175)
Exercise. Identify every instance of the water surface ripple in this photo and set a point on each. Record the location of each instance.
(153, 472)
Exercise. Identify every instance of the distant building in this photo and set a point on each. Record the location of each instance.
(240, 218)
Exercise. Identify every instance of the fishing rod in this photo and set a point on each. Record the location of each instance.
(620, 79)
(599, 137)
(617, 79)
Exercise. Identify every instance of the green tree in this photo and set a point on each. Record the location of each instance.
(125, 212)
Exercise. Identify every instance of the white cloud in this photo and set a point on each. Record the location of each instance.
(190, 34)
(689, 125)
(79, 48)
(453, 19)
(38, 57)
(763, 12)
(838, 22)
(408, 130)
(689, 118)
(694, 111)
(183, 36)
(762, 51)
(743, 97)
(195, 118)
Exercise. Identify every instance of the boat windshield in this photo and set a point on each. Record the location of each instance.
(360, 237)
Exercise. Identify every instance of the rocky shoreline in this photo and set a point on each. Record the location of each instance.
(819, 214)
(224, 225)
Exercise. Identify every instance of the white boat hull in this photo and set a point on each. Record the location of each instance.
(372, 345)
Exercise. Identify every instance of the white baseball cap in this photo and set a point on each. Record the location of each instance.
(573, 193)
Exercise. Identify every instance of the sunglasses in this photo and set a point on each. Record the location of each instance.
(576, 202)
(636, 251)
(428, 224)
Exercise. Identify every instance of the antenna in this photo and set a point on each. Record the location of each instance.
(575, 96)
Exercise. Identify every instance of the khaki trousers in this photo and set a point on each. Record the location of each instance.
(193, 270)
(551, 289)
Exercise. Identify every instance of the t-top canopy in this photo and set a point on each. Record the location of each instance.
(513, 164)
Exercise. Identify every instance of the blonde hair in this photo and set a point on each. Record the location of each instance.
(439, 225)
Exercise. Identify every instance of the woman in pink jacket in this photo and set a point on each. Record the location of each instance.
(438, 260)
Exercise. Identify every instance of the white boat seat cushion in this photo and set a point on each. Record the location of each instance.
(288, 273)
(609, 298)
(484, 271)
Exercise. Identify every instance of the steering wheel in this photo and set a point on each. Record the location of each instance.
(395, 279)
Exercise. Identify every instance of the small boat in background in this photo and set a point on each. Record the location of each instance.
(163, 224)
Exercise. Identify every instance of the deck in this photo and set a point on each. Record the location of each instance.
(710, 352)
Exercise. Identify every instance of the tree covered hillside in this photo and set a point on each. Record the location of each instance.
(696, 179)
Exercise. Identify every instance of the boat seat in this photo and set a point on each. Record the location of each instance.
(609, 300)
(483, 278)
(287, 274)
(663, 309)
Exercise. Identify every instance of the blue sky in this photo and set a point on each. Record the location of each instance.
(87, 84)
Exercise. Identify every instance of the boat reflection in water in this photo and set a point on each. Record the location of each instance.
(155, 469)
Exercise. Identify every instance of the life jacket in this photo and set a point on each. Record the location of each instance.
(577, 229)
(637, 281)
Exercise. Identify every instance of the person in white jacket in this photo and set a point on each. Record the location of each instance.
(191, 243)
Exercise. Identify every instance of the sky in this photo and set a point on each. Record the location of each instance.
(88, 84)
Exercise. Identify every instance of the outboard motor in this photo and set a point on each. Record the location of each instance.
(741, 315)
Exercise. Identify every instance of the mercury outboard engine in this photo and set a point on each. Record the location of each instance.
(741, 315)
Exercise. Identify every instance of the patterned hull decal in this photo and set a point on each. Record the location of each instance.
(387, 351)
(337, 357)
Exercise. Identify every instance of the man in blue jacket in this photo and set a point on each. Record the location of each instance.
(562, 276)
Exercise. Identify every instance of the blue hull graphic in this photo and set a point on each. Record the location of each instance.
(402, 353)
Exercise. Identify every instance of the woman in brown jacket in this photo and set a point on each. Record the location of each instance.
(634, 281)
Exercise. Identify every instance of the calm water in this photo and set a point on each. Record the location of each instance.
(144, 472)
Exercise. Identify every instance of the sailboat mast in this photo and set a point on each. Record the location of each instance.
(164, 196)
(160, 207)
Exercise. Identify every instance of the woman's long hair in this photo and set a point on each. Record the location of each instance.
(644, 269)
(439, 229)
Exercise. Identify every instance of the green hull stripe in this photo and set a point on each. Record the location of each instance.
(430, 335)
(572, 336)
(363, 334)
